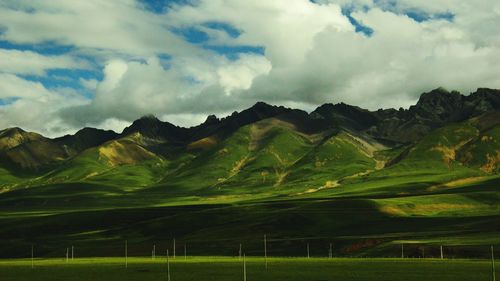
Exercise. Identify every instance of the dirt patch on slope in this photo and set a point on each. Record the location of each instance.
(118, 153)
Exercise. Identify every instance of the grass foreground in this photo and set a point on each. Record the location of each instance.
(227, 268)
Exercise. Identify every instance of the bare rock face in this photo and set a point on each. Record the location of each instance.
(86, 138)
(433, 110)
(439, 106)
(152, 128)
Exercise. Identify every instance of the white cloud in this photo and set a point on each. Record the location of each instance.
(109, 25)
(240, 74)
(352, 4)
(132, 89)
(89, 84)
(36, 108)
(28, 62)
(12, 86)
(113, 74)
(331, 62)
(186, 119)
(402, 59)
(286, 28)
(113, 124)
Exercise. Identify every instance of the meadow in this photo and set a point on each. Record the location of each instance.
(231, 268)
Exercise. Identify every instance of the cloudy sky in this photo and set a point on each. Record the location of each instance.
(65, 64)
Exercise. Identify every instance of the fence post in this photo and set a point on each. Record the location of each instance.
(244, 269)
(32, 256)
(265, 250)
(441, 249)
(168, 267)
(330, 252)
(402, 251)
(307, 250)
(492, 264)
(126, 254)
(239, 253)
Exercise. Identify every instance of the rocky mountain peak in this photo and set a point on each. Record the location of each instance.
(347, 116)
(151, 127)
(86, 138)
(440, 100)
(12, 137)
(211, 119)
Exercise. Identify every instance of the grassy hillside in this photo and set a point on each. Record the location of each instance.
(337, 157)
(483, 153)
(267, 177)
(122, 163)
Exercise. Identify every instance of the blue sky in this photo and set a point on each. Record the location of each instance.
(106, 63)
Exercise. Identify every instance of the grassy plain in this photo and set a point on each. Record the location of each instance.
(226, 268)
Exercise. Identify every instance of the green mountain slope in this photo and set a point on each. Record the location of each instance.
(339, 156)
(364, 179)
(123, 162)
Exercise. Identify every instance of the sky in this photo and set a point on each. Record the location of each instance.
(67, 64)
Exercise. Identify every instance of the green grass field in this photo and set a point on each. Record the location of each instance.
(97, 219)
(225, 268)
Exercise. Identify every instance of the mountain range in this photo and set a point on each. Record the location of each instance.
(423, 161)
(259, 127)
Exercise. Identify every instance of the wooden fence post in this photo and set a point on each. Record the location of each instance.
(168, 267)
(265, 250)
(244, 269)
(493, 264)
(32, 256)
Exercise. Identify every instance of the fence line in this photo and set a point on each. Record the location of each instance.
(272, 248)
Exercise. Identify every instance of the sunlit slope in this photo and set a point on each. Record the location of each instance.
(274, 147)
(8, 179)
(12, 137)
(483, 152)
(459, 204)
(123, 162)
(438, 158)
(31, 152)
(255, 155)
(339, 156)
(272, 154)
